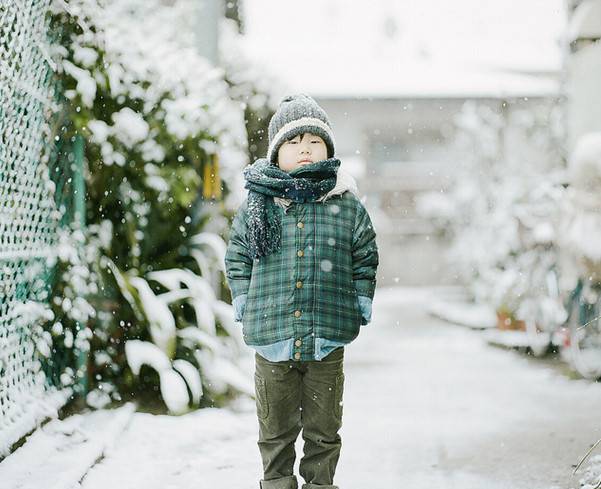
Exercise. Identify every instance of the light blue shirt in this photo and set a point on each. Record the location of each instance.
(284, 350)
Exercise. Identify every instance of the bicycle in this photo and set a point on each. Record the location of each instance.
(541, 309)
(541, 305)
(583, 342)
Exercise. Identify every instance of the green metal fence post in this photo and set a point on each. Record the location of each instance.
(79, 204)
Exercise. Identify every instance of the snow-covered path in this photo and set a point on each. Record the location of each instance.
(427, 405)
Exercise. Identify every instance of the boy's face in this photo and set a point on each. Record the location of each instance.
(301, 151)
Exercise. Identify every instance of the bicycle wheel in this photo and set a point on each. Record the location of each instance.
(539, 341)
(585, 338)
(546, 315)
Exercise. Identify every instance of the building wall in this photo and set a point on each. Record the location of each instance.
(583, 79)
(401, 148)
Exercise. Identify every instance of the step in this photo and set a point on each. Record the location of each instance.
(475, 316)
(59, 454)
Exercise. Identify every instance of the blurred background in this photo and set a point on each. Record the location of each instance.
(396, 79)
(472, 129)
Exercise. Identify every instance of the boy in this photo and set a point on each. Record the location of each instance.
(301, 264)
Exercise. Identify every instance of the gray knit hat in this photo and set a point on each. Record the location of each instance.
(298, 114)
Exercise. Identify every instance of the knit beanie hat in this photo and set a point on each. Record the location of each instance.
(298, 114)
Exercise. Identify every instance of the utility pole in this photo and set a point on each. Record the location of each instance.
(209, 13)
(583, 68)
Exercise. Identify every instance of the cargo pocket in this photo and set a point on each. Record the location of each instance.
(261, 397)
(339, 391)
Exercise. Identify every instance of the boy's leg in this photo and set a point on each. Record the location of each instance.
(278, 394)
(322, 418)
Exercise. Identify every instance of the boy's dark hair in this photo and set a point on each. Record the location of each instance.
(302, 135)
(291, 137)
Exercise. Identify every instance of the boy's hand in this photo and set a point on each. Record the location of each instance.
(239, 304)
(365, 306)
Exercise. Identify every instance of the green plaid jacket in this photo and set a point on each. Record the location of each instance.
(309, 288)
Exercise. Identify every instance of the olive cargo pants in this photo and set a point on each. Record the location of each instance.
(291, 396)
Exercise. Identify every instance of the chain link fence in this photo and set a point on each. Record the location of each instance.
(37, 181)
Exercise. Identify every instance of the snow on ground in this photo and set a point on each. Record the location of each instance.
(58, 454)
(427, 404)
(205, 449)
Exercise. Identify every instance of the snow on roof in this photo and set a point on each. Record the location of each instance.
(332, 48)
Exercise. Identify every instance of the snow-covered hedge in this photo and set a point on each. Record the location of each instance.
(505, 200)
(161, 130)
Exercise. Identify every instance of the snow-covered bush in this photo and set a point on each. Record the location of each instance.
(504, 201)
(155, 115)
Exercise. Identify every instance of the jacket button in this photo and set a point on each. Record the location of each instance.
(297, 314)
(299, 284)
(300, 253)
(297, 355)
(298, 343)
(300, 224)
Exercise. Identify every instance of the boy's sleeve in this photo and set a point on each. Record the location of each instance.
(238, 263)
(365, 254)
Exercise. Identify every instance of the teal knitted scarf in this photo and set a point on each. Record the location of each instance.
(264, 180)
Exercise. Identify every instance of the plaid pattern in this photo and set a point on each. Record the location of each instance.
(309, 288)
